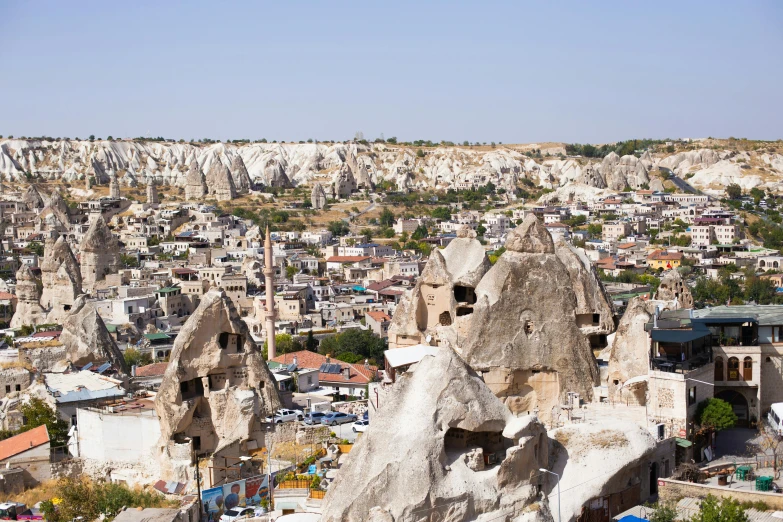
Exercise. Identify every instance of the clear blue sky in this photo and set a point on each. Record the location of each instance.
(490, 71)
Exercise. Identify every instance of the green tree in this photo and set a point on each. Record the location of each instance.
(663, 512)
(441, 213)
(291, 271)
(733, 191)
(386, 219)
(36, 248)
(419, 153)
(420, 233)
(338, 228)
(311, 344)
(37, 412)
(128, 261)
(284, 343)
(716, 415)
(724, 510)
(134, 357)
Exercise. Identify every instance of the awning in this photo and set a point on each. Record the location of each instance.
(635, 380)
(683, 443)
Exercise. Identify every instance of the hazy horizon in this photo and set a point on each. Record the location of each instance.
(496, 71)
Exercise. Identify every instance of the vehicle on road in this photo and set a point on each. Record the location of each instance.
(240, 513)
(337, 417)
(284, 415)
(360, 426)
(10, 510)
(314, 418)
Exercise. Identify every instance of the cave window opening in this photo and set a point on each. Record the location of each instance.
(464, 294)
(445, 319)
(192, 388)
(493, 444)
(596, 319)
(464, 310)
(528, 327)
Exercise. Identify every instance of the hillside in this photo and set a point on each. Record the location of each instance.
(709, 165)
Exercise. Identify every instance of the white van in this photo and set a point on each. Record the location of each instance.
(775, 417)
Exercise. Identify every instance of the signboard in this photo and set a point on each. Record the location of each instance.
(234, 494)
(682, 434)
(212, 499)
(256, 488)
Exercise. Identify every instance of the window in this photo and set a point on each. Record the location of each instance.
(747, 369)
(733, 369)
(8, 388)
(718, 368)
(18, 387)
(691, 396)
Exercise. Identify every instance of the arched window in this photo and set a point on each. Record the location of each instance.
(733, 369)
(718, 368)
(747, 369)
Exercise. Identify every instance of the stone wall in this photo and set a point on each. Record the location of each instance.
(11, 481)
(674, 490)
(312, 435)
(355, 407)
(43, 359)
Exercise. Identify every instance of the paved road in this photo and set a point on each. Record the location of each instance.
(681, 183)
(344, 431)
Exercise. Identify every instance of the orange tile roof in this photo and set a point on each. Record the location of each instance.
(152, 370)
(379, 316)
(23, 442)
(307, 359)
(662, 255)
(626, 245)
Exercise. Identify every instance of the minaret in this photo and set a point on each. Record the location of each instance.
(269, 277)
(152, 192)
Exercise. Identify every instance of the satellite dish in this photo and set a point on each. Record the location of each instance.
(428, 338)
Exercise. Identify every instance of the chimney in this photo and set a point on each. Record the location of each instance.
(327, 358)
(655, 318)
(347, 372)
(295, 361)
(367, 364)
(133, 370)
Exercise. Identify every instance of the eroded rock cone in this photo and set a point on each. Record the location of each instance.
(423, 458)
(217, 387)
(673, 288)
(195, 183)
(33, 199)
(86, 338)
(62, 279)
(100, 253)
(242, 181)
(524, 330)
(220, 184)
(318, 196)
(28, 293)
(441, 303)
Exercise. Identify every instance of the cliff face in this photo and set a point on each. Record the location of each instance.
(283, 164)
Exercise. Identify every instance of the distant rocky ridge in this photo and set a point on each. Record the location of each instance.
(363, 166)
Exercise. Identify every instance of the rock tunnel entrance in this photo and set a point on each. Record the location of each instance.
(480, 449)
(464, 294)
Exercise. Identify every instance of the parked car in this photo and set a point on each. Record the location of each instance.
(240, 513)
(10, 510)
(360, 425)
(283, 415)
(337, 417)
(314, 418)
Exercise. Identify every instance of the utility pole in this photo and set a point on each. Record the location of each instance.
(198, 486)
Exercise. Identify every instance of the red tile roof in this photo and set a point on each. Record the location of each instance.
(379, 316)
(6, 295)
(23, 442)
(626, 245)
(662, 255)
(152, 370)
(306, 359)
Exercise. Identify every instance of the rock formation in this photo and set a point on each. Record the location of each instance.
(524, 333)
(239, 174)
(28, 294)
(86, 338)
(216, 390)
(672, 288)
(195, 183)
(61, 277)
(343, 182)
(442, 447)
(595, 314)
(152, 192)
(33, 199)
(114, 187)
(100, 254)
(423, 458)
(253, 269)
(318, 196)
(220, 184)
(442, 300)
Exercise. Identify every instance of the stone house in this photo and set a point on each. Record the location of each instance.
(29, 451)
